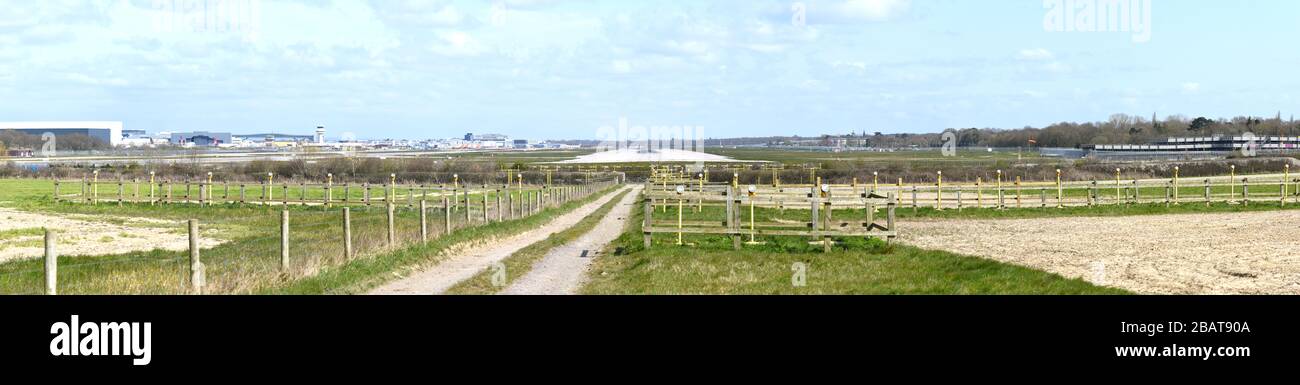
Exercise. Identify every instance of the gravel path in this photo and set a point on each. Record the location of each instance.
(563, 269)
(1225, 253)
(464, 265)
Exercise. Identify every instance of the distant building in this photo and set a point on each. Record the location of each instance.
(320, 135)
(201, 138)
(19, 153)
(273, 137)
(107, 132)
(521, 143)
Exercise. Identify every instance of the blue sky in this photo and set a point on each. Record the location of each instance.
(562, 69)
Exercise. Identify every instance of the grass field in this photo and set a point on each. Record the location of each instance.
(856, 266)
(248, 262)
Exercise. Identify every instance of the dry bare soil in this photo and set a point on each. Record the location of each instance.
(88, 235)
(1222, 253)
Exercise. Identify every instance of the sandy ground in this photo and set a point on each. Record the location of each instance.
(1228, 253)
(88, 235)
(563, 270)
(464, 265)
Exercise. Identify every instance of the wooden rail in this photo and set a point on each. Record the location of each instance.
(822, 224)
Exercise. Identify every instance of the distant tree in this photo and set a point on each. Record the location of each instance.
(1200, 125)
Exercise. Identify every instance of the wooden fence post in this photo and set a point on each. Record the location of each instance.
(446, 212)
(889, 216)
(347, 233)
(424, 222)
(196, 265)
(486, 219)
(284, 241)
(1245, 191)
(51, 264)
(392, 231)
(645, 225)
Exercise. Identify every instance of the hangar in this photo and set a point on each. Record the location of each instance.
(108, 132)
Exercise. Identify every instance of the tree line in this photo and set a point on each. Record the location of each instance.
(1118, 129)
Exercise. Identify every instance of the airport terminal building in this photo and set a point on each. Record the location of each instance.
(108, 132)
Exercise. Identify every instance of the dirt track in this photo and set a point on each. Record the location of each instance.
(1230, 253)
(564, 268)
(464, 265)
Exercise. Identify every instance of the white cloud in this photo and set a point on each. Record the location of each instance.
(872, 10)
(89, 80)
(457, 43)
(1191, 88)
(621, 66)
(1036, 54)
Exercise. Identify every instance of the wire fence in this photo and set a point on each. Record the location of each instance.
(245, 248)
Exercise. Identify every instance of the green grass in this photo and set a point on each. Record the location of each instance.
(521, 262)
(21, 232)
(855, 266)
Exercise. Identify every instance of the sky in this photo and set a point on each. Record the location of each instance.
(556, 69)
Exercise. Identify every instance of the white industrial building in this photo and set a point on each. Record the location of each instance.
(109, 132)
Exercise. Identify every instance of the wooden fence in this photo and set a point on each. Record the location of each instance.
(438, 216)
(1006, 191)
(822, 205)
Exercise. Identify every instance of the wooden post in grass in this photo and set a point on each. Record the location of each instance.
(1018, 191)
(446, 216)
(500, 216)
(51, 264)
(915, 207)
(392, 232)
(1060, 191)
(1245, 191)
(1176, 185)
(1207, 193)
(645, 224)
(938, 192)
(979, 193)
(485, 207)
(889, 215)
(467, 210)
(284, 241)
(510, 204)
(734, 219)
(1169, 194)
(424, 222)
(1232, 183)
(347, 233)
(1001, 197)
(196, 265)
